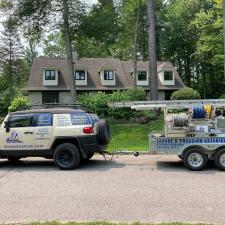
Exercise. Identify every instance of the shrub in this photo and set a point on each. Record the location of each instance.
(98, 103)
(136, 94)
(19, 103)
(185, 94)
(222, 96)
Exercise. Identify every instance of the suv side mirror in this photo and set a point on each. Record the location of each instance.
(7, 128)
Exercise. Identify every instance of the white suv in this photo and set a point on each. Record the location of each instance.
(66, 135)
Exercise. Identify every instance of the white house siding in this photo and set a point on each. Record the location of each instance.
(162, 95)
(35, 97)
(65, 97)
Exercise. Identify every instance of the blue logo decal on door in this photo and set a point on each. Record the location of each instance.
(14, 138)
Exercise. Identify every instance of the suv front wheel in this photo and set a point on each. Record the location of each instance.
(67, 156)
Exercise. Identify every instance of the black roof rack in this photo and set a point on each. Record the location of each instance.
(58, 105)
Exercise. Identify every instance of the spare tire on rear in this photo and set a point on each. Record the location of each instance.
(103, 132)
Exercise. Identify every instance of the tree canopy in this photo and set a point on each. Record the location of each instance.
(189, 33)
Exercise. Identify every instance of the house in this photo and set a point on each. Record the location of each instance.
(49, 80)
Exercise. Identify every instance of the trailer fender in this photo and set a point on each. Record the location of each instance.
(196, 147)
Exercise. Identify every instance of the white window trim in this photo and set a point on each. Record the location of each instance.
(168, 82)
(81, 82)
(143, 82)
(85, 75)
(50, 82)
(108, 71)
(146, 75)
(168, 71)
(108, 82)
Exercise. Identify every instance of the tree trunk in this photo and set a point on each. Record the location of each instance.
(69, 52)
(224, 34)
(135, 44)
(153, 76)
(10, 62)
(188, 71)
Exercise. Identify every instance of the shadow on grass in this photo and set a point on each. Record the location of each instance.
(43, 165)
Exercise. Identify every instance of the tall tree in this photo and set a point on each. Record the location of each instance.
(13, 68)
(40, 13)
(10, 50)
(69, 50)
(209, 52)
(135, 42)
(223, 8)
(153, 78)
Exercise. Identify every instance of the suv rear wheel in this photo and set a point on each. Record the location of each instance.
(67, 156)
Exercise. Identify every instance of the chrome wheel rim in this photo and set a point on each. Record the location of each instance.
(222, 159)
(195, 159)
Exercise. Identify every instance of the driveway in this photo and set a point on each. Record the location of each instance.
(128, 189)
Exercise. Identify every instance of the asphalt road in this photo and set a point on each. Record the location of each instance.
(128, 189)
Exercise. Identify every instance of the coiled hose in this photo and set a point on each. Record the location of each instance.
(199, 112)
(180, 120)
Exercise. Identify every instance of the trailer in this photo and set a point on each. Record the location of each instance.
(194, 130)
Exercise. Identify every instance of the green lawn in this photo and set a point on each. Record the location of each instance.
(133, 136)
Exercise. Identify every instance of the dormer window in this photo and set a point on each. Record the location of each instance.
(50, 74)
(168, 75)
(80, 74)
(142, 76)
(80, 77)
(50, 77)
(108, 75)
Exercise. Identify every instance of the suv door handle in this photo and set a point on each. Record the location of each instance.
(28, 132)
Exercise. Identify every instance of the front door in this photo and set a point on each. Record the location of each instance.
(20, 135)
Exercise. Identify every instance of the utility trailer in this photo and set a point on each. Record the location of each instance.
(194, 130)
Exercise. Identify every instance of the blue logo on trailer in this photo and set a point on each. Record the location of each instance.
(14, 138)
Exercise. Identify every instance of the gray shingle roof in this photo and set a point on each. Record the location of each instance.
(123, 70)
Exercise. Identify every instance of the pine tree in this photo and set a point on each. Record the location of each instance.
(10, 52)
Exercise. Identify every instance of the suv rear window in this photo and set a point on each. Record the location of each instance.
(44, 119)
(94, 118)
(80, 118)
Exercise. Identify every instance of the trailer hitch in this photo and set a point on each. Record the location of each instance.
(115, 154)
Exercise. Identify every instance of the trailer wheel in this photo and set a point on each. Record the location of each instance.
(195, 159)
(219, 159)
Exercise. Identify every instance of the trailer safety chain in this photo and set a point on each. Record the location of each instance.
(108, 156)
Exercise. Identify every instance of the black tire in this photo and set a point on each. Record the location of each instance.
(195, 159)
(89, 156)
(103, 132)
(179, 156)
(67, 156)
(13, 159)
(219, 159)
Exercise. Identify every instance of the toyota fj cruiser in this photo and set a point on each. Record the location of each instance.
(66, 135)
